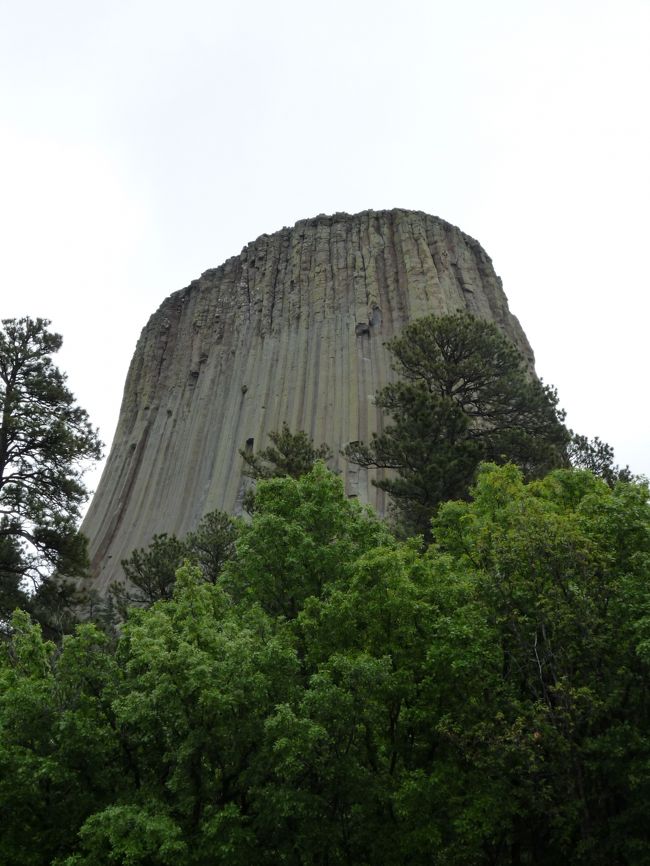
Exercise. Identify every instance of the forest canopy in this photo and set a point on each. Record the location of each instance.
(307, 688)
(339, 696)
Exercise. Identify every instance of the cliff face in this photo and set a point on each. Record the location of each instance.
(292, 329)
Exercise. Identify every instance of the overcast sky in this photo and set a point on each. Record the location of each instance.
(142, 143)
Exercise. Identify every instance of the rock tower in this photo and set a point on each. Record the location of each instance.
(292, 329)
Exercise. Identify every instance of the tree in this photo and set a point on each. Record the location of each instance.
(290, 454)
(464, 396)
(11, 573)
(44, 440)
(212, 544)
(598, 457)
(151, 571)
(558, 570)
(303, 535)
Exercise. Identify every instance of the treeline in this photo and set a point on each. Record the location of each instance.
(338, 696)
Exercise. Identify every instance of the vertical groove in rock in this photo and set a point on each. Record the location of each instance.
(293, 329)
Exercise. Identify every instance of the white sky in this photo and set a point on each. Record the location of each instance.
(144, 142)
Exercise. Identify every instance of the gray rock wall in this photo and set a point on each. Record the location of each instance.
(292, 329)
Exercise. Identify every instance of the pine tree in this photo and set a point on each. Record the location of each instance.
(464, 396)
(45, 438)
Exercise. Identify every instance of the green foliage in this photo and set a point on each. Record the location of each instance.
(338, 697)
(44, 440)
(199, 679)
(59, 751)
(598, 457)
(561, 568)
(12, 593)
(464, 396)
(130, 835)
(212, 544)
(303, 535)
(151, 572)
(291, 454)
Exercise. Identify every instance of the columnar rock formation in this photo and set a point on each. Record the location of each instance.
(292, 329)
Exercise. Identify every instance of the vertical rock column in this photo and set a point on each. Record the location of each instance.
(292, 329)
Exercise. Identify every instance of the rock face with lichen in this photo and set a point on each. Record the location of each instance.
(292, 329)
